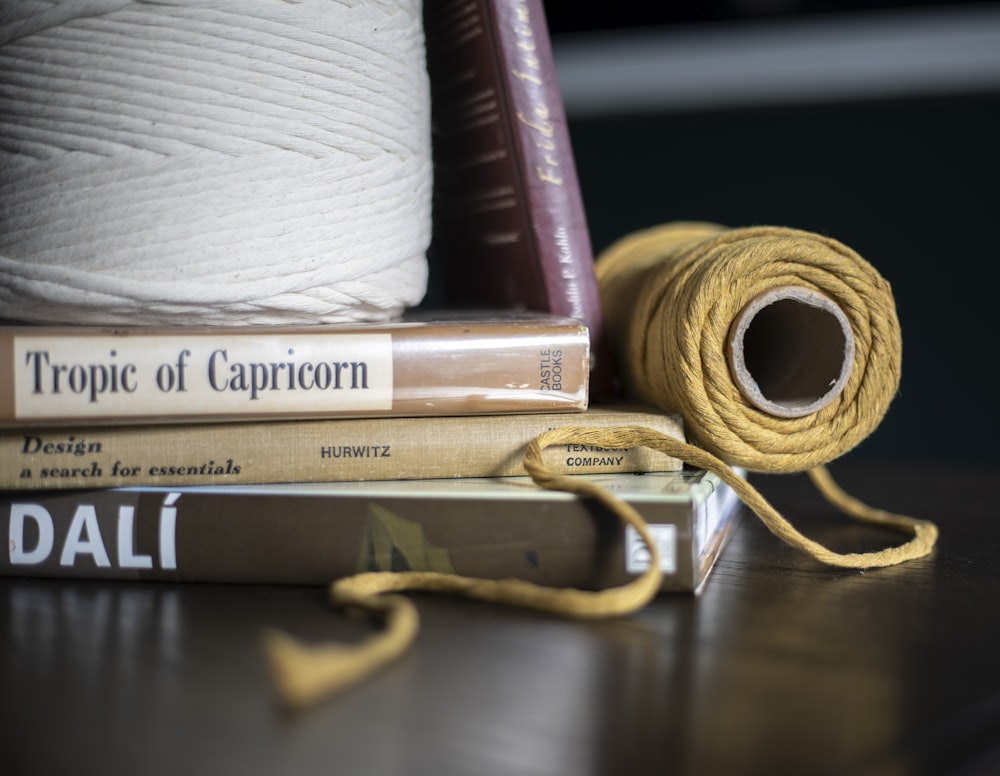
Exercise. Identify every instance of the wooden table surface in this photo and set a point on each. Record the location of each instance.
(781, 666)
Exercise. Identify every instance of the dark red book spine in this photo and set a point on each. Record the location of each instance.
(510, 227)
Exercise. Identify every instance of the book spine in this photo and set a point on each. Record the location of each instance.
(50, 458)
(507, 191)
(213, 536)
(117, 376)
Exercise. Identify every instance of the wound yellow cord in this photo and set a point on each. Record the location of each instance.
(671, 296)
(676, 299)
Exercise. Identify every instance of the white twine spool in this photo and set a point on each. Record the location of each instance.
(213, 162)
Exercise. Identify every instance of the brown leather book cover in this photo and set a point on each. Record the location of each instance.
(312, 534)
(452, 365)
(510, 228)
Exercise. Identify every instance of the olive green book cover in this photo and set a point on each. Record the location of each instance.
(315, 533)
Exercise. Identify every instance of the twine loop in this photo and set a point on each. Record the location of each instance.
(308, 673)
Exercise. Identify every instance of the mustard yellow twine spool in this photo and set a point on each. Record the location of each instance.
(781, 350)
(672, 294)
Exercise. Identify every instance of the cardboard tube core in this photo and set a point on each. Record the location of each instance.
(791, 351)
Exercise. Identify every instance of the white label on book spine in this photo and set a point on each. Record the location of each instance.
(637, 555)
(204, 375)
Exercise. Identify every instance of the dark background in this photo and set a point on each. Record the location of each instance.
(909, 182)
(568, 16)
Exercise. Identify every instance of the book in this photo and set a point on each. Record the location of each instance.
(62, 457)
(510, 228)
(313, 533)
(477, 364)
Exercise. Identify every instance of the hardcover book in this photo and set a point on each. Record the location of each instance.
(436, 366)
(314, 533)
(510, 228)
(93, 456)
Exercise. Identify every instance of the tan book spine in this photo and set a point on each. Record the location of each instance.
(432, 368)
(50, 458)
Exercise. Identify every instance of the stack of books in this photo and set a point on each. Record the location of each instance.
(302, 454)
(299, 455)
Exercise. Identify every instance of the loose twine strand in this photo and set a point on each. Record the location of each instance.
(239, 161)
(305, 673)
(678, 334)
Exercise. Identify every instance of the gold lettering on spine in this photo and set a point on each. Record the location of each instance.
(528, 69)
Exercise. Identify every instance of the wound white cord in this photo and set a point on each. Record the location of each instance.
(213, 162)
